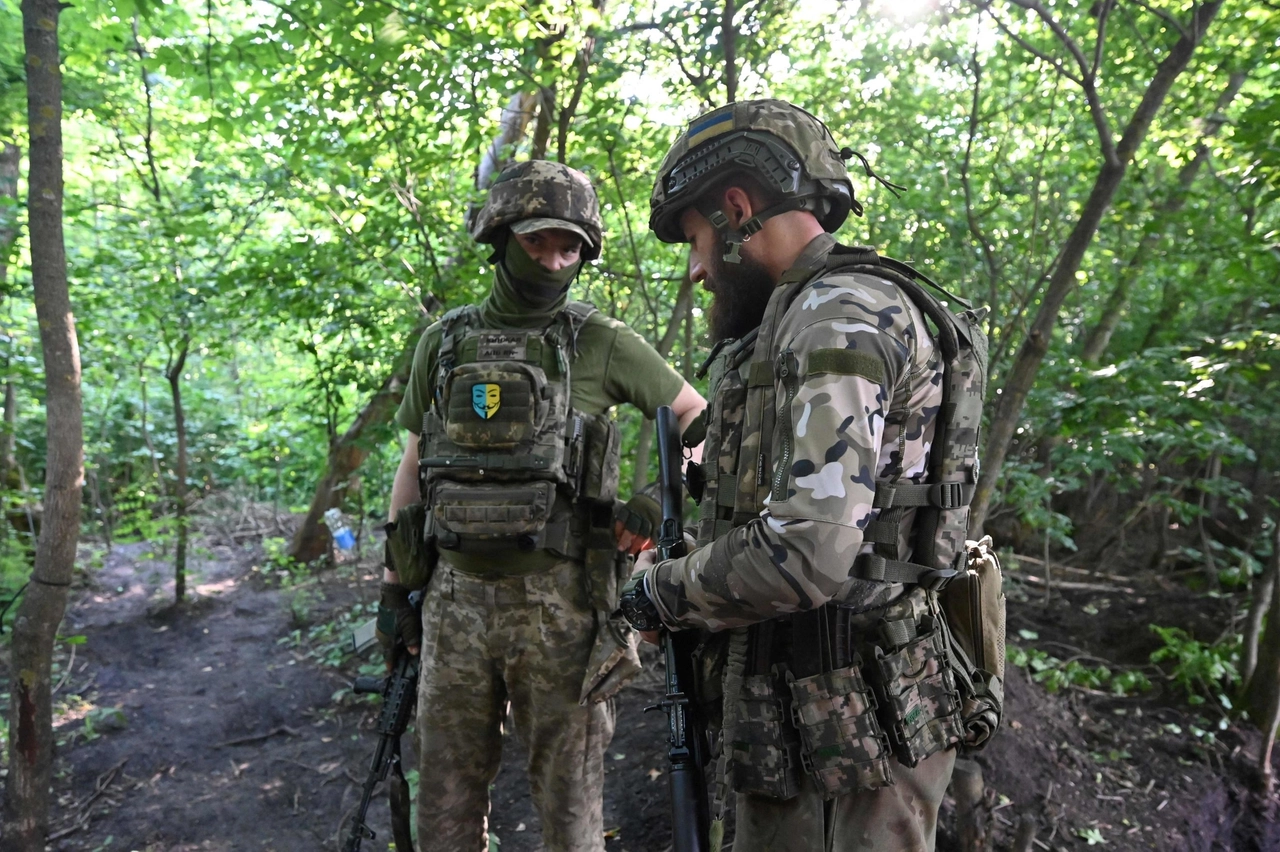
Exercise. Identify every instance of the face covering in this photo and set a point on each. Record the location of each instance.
(525, 293)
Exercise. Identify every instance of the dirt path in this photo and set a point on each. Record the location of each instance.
(233, 736)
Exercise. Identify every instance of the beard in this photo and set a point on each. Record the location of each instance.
(741, 292)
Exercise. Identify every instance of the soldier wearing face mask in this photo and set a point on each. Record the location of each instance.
(506, 510)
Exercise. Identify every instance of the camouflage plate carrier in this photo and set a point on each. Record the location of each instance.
(833, 692)
(505, 459)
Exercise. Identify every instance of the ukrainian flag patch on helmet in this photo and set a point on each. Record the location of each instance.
(711, 126)
(485, 399)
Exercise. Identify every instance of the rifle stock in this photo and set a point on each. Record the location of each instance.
(686, 729)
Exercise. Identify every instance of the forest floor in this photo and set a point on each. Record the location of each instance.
(226, 723)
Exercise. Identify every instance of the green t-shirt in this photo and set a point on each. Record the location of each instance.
(614, 365)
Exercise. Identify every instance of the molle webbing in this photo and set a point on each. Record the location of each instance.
(941, 522)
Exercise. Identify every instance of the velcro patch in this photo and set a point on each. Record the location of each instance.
(501, 346)
(846, 362)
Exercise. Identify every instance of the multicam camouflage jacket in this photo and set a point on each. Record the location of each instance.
(858, 384)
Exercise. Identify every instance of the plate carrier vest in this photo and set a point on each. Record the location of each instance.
(506, 462)
(907, 679)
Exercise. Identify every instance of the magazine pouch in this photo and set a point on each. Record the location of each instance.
(844, 747)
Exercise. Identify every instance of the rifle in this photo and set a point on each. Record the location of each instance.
(399, 691)
(686, 728)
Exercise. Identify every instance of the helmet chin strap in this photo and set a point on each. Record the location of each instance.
(733, 238)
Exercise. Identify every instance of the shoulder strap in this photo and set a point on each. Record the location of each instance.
(453, 325)
(563, 331)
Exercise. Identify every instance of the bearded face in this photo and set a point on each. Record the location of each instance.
(741, 292)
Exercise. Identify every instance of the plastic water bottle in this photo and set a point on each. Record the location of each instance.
(338, 526)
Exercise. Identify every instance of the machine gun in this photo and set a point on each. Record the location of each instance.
(399, 691)
(686, 728)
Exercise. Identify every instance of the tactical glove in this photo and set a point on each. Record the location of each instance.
(641, 516)
(397, 620)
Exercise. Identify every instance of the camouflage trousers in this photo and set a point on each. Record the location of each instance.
(521, 642)
(900, 818)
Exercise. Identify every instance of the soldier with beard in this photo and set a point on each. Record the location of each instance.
(829, 654)
(507, 408)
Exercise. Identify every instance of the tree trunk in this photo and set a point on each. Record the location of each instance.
(1022, 375)
(515, 118)
(644, 446)
(27, 788)
(1099, 337)
(9, 158)
(312, 541)
(546, 98)
(729, 40)
(10, 155)
(581, 61)
(1262, 689)
(174, 375)
(1263, 587)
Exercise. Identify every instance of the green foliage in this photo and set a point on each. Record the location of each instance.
(1056, 674)
(1206, 673)
(328, 641)
(277, 568)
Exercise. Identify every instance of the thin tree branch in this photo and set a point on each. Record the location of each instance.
(1052, 61)
(1168, 18)
(1087, 81)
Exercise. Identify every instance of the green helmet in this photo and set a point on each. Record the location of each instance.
(538, 194)
(789, 151)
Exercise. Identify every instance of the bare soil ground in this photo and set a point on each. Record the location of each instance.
(236, 733)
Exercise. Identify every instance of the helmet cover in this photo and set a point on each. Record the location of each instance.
(541, 189)
(788, 150)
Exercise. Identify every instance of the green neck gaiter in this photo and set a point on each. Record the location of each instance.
(525, 293)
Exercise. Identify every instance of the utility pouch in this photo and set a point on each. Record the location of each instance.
(600, 459)
(974, 607)
(765, 748)
(411, 556)
(845, 749)
(467, 512)
(919, 702)
(495, 405)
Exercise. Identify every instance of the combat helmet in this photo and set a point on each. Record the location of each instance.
(788, 150)
(538, 194)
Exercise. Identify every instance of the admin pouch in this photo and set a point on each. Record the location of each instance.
(506, 462)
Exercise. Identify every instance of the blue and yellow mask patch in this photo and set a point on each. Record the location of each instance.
(485, 399)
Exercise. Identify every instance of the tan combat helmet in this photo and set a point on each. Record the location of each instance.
(539, 194)
(787, 150)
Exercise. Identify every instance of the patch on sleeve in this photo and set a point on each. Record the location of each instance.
(846, 362)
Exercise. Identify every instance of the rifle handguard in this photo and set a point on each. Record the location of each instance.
(637, 607)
